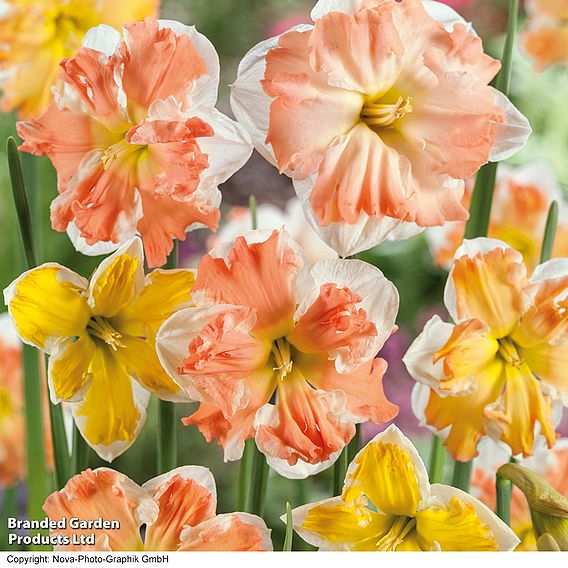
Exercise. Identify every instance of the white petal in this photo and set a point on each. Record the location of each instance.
(550, 270)
(299, 515)
(540, 175)
(109, 453)
(198, 473)
(228, 149)
(132, 248)
(506, 539)
(63, 275)
(380, 301)
(419, 359)
(325, 6)
(470, 248)
(301, 470)
(347, 239)
(102, 38)
(81, 245)
(446, 15)
(511, 135)
(205, 89)
(249, 102)
(173, 338)
(437, 238)
(392, 435)
(8, 334)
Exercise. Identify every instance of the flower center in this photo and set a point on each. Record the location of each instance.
(377, 114)
(6, 403)
(118, 151)
(397, 533)
(509, 353)
(282, 358)
(101, 328)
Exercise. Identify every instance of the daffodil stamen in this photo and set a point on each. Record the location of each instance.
(101, 329)
(399, 530)
(282, 357)
(381, 115)
(509, 352)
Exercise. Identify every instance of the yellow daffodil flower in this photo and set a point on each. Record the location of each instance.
(500, 370)
(387, 504)
(100, 335)
(37, 34)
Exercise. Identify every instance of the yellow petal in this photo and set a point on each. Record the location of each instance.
(109, 413)
(489, 287)
(522, 405)
(48, 304)
(549, 363)
(344, 527)
(470, 349)
(119, 12)
(117, 280)
(140, 359)
(454, 527)
(166, 292)
(387, 475)
(68, 367)
(465, 415)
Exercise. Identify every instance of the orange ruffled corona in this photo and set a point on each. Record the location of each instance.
(282, 351)
(378, 112)
(37, 34)
(177, 509)
(500, 369)
(519, 212)
(136, 141)
(100, 335)
(387, 505)
(545, 39)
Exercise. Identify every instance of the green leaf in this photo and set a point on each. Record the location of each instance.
(289, 530)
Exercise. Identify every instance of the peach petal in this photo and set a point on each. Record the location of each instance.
(107, 494)
(365, 396)
(272, 265)
(230, 532)
(158, 63)
(306, 424)
(182, 501)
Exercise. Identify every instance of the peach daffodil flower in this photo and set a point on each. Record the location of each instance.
(100, 335)
(37, 34)
(176, 508)
(282, 351)
(519, 212)
(499, 371)
(387, 504)
(378, 111)
(545, 39)
(136, 141)
(12, 430)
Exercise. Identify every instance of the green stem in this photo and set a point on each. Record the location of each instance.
(354, 445)
(253, 213)
(289, 539)
(437, 459)
(504, 489)
(245, 476)
(549, 233)
(63, 462)
(80, 452)
(339, 472)
(462, 475)
(10, 508)
(259, 483)
(166, 427)
(482, 198)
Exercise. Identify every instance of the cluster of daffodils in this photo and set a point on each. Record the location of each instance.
(380, 111)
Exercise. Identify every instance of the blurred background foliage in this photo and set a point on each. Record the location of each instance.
(234, 27)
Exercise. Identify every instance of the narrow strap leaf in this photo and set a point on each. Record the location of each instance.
(288, 540)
